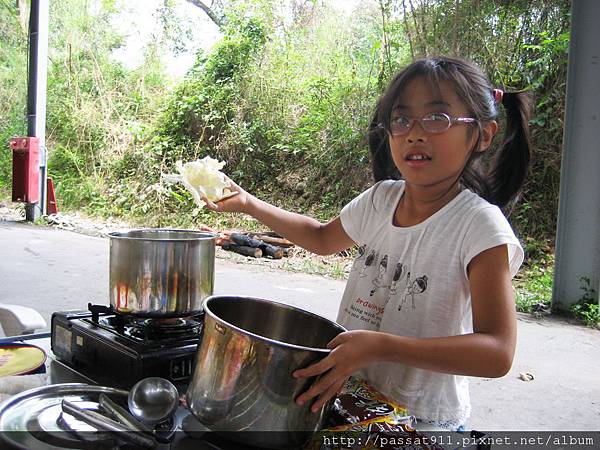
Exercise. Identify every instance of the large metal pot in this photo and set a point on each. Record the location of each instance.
(243, 379)
(160, 272)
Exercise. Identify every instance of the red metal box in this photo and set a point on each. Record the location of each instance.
(26, 169)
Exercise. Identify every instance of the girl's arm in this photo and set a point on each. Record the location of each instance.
(487, 352)
(309, 233)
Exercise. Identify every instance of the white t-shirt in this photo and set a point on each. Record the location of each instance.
(412, 281)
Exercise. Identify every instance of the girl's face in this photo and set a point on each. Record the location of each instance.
(429, 160)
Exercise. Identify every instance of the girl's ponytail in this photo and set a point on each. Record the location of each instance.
(511, 162)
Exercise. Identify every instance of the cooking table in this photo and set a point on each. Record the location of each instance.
(195, 436)
(58, 373)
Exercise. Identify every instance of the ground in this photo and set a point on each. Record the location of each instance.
(299, 261)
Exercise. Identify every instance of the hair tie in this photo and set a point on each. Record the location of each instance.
(498, 94)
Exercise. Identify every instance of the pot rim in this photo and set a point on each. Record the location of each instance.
(199, 235)
(263, 338)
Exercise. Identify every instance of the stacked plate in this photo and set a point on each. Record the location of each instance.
(21, 359)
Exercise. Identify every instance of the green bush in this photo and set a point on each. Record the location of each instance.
(281, 98)
(13, 90)
(587, 309)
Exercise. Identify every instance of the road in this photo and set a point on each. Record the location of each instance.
(51, 269)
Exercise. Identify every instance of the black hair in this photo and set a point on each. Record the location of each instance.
(497, 179)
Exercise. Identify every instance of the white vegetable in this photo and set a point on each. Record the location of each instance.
(203, 178)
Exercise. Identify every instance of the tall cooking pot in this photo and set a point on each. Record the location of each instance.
(160, 272)
(243, 379)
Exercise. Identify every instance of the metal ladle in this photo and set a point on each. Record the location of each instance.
(152, 400)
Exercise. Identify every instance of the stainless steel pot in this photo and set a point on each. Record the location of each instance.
(160, 272)
(243, 372)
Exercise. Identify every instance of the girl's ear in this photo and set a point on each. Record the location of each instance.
(489, 130)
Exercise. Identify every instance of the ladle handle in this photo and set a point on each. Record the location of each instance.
(100, 422)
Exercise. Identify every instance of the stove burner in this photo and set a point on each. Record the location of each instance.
(146, 329)
(164, 323)
(155, 329)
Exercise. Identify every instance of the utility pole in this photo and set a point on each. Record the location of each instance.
(36, 95)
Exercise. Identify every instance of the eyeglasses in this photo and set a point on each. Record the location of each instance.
(434, 123)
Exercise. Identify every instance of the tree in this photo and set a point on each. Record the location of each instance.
(214, 11)
(23, 7)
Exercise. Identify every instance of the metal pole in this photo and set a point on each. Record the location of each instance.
(578, 229)
(36, 95)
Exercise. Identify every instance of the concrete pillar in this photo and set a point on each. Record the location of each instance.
(578, 230)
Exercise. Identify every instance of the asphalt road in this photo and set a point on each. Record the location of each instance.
(50, 269)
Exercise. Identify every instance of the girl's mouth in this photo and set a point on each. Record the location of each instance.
(416, 160)
(418, 157)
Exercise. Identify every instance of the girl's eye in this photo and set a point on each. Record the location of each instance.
(436, 117)
(402, 121)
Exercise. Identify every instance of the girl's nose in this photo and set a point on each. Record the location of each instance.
(413, 139)
(416, 133)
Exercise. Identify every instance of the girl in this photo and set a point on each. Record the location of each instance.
(434, 212)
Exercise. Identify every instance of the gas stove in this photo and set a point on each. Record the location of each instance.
(119, 350)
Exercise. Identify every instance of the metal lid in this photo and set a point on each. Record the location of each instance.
(36, 418)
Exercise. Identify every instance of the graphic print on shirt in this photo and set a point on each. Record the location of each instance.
(368, 312)
(400, 270)
(378, 281)
(362, 250)
(414, 287)
(369, 261)
(384, 286)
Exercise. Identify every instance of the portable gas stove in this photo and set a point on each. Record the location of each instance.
(119, 350)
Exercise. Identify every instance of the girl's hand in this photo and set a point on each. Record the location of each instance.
(238, 202)
(352, 351)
